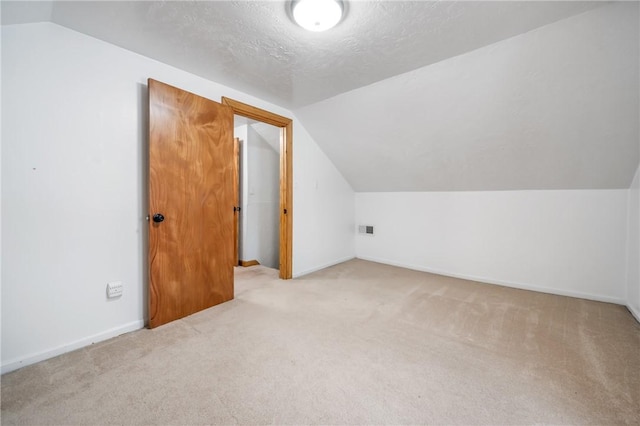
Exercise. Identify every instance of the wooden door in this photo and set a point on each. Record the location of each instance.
(191, 200)
(236, 194)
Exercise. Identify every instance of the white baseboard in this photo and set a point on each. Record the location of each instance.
(634, 312)
(560, 292)
(308, 271)
(41, 356)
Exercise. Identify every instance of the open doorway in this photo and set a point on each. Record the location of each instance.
(285, 186)
(258, 227)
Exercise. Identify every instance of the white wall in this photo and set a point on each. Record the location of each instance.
(562, 242)
(318, 188)
(633, 247)
(73, 189)
(261, 202)
(1, 188)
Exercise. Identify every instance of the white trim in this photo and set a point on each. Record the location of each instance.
(634, 312)
(308, 271)
(41, 356)
(580, 295)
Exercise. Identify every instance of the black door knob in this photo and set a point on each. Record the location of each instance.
(157, 218)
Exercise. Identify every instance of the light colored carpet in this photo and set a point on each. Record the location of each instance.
(358, 343)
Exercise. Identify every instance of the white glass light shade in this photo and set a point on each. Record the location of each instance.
(317, 15)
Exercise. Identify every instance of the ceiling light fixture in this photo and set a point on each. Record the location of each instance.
(317, 15)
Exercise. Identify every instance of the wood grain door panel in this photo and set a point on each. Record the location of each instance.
(191, 174)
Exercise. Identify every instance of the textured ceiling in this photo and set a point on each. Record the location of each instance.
(413, 96)
(253, 46)
(555, 108)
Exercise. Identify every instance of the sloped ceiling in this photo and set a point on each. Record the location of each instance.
(413, 96)
(555, 108)
(270, 134)
(253, 46)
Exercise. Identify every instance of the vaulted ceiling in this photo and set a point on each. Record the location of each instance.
(254, 46)
(413, 96)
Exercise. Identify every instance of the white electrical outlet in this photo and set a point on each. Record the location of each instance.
(114, 289)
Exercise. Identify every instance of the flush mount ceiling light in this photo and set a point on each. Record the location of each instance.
(317, 15)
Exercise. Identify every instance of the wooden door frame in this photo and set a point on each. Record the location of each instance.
(286, 175)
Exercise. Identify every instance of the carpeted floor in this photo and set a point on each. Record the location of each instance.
(357, 343)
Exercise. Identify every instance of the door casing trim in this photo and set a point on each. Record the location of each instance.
(286, 176)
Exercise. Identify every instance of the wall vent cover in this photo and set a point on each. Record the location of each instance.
(365, 229)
